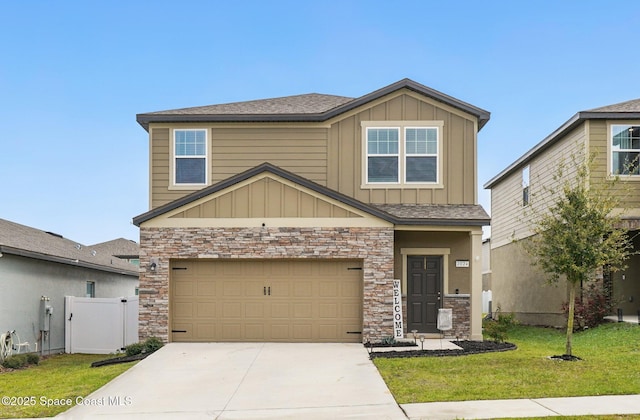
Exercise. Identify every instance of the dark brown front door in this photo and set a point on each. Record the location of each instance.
(424, 288)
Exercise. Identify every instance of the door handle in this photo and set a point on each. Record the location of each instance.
(264, 290)
(269, 289)
(439, 294)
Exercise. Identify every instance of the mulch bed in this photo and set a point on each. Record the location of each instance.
(468, 347)
(122, 359)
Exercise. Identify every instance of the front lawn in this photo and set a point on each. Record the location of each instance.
(610, 366)
(33, 392)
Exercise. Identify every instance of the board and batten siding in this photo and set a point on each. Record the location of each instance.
(599, 138)
(298, 149)
(508, 217)
(329, 153)
(346, 154)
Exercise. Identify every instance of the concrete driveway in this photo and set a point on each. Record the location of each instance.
(246, 381)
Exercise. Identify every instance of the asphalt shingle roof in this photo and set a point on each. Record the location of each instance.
(621, 111)
(443, 212)
(312, 103)
(123, 248)
(312, 107)
(627, 106)
(29, 242)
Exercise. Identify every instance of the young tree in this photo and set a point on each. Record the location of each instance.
(577, 231)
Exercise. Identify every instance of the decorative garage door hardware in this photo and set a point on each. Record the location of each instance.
(267, 291)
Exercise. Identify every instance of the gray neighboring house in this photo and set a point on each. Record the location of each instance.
(36, 263)
(125, 249)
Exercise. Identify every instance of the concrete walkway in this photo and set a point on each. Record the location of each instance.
(522, 408)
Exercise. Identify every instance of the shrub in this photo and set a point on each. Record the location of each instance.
(33, 358)
(591, 307)
(497, 328)
(134, 349)
(152, 344)
(16, 361)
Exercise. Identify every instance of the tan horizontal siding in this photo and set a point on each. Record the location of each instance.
(508, 217)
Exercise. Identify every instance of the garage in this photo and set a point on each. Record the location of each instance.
(266, 300)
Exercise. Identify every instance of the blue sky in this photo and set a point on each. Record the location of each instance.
(73, 75)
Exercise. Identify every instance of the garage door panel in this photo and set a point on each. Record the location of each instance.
(280, 310)
(303, 289)
(232, 288)
(302, 310)
(205, 330)
(254, 310)
(226, 300)
(206, 288)
(328, 289)
(253, 332)
(206, 309)
(231, 310)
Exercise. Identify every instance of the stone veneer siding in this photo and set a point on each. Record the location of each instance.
(373, 246)
(461, 305)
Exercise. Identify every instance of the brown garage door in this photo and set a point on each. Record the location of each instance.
(289, 301)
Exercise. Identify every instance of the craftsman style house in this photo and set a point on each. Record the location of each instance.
(289, 219)
(612, 134)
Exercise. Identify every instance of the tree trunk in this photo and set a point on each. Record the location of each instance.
(572, 306)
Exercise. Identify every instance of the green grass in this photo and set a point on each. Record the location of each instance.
(610, 366)
(56, 377)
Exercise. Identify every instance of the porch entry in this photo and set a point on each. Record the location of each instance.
(424, 292)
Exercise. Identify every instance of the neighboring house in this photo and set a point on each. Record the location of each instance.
(486, 264)
(288, 219)
(125, 249)
(36, 264)
(613, 134)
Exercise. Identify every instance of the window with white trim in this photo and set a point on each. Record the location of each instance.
(625, 149)
(406, 154)
(525, 186)
(383, 155)
(91, 289)
(421, 154)
(190, 156)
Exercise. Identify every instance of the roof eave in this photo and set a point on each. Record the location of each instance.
(572, 123)
(63, 260)
(482, 115)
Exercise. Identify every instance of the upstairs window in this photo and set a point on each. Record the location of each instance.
(190, 154)
(383, 155)
(625, 149)
(421, 154)
(406, 154)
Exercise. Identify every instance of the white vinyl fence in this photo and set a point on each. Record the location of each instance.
(486, 298)
(100, 325)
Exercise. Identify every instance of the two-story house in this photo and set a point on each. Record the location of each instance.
(612, 134)
(288, 219)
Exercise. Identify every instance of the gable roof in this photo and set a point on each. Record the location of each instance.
(621, 111)
(311, 107)
(25, 241)
(121, 248)
(399, 214)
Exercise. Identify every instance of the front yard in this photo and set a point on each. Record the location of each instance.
(54, 385)
(610, 366)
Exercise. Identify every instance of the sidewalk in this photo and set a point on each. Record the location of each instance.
(522, 408)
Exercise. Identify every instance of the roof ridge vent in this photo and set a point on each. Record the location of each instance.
(57, 235)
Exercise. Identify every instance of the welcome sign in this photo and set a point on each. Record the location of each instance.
(398, 329)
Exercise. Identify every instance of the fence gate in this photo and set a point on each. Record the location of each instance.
(100, 325)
